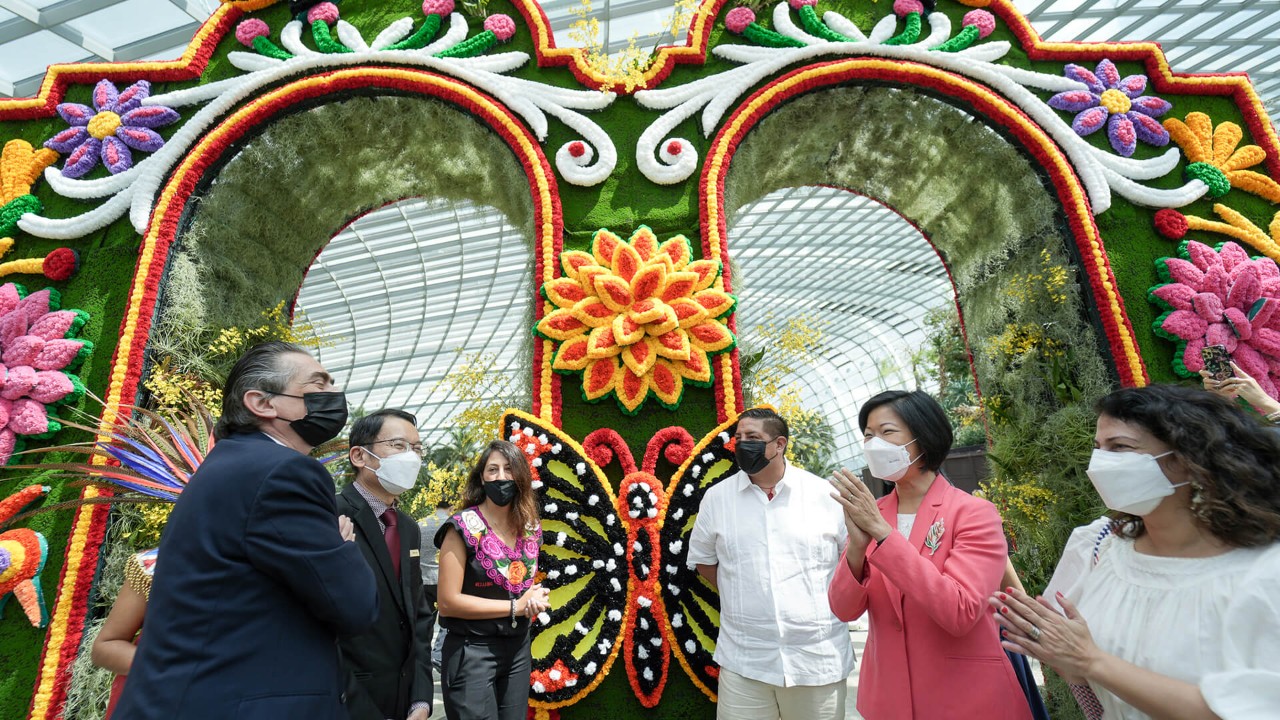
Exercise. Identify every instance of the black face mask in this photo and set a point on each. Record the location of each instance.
(750, 456)
(325, 418)
(501, 492)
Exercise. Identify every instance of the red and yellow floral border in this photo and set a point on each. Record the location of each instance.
(62, 642)
(1071, 194)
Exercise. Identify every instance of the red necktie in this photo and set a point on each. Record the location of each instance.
(393, 538)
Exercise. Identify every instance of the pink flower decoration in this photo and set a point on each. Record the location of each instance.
(903, 8)
(981, 19)
(39, 349)
(797, 4)
(325, 11)
(437, 7)
(1222, 298)
(738, 19)
(502, 26)
(250, 30)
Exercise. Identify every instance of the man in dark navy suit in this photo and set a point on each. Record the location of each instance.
(390, 664)
(255, 580)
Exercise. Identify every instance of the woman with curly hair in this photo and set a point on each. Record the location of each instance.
(1181, 584)
(487, 594)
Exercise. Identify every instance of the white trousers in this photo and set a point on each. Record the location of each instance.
(743, 699)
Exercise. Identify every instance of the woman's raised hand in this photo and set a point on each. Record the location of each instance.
(862, 516)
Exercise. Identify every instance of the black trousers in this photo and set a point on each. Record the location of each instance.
(486, 678)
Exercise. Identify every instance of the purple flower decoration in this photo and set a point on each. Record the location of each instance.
(116, 122)
(1117, 103)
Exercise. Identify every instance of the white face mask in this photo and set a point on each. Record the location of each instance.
(887, 461)
(1130, 482)
(398, 472)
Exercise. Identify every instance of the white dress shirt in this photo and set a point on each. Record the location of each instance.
(775, 560)
(1213, 622)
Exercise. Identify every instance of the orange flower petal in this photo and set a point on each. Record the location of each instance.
(1194, 136)
(604, 245)
(573, 260)
(679, 284)
(717, 302)
(615, 292)
(645, 242)
(679, 250)
(1245, 157)
(626, 262)
(711, 336)
(602, 344)
(646, 311)
(626, 331)
(587, 275)
(707, 270)
(649, 282)
(696, 369)
(665, 324)
(639, 357)
(674, 345)
(592, 312)
(689, 312)
(572, 355)
(631, 390)
(600, 378)
(564, 292)
(1225, 139)
(666, 383)
(560, 325)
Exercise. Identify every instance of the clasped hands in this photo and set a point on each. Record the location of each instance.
(862, 516)
(1034, 628)
(536, 599)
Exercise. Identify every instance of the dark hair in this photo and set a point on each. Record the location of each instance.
(260, 368)
(365, 430)
(774, 424)
(1232, 461)
(524, 509)
(923, 416)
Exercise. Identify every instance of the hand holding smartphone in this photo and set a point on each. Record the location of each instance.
(1217, 361)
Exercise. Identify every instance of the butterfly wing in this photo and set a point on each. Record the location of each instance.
(583, 563)
(692, 605)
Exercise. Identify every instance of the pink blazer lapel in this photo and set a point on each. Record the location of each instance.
(889, 511)
(928, 514)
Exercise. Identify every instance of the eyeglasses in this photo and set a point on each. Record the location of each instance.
(400, 445)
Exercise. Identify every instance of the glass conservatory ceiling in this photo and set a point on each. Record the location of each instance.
(389, 291)
(1205, 36)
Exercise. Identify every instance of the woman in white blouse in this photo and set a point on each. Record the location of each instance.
(1180, 587)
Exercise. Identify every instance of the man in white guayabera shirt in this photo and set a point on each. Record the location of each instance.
(769, 539)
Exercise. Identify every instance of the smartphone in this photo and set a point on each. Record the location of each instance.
(1217, 362)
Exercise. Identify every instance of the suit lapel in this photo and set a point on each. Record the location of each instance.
(407, 563)
(367, 526)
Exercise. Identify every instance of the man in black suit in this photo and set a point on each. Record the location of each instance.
(254, 579)
(389, 666)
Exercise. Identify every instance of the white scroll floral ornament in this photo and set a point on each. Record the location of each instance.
(833, 34)
(587, 161)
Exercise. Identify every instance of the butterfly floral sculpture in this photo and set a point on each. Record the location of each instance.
(615, 563)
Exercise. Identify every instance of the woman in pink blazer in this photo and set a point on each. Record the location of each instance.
(922, 561)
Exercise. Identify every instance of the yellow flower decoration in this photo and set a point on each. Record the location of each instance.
(637, 316)
(1241, 228)
(20, 167)
(1216, 159)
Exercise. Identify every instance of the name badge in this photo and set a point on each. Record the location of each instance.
(415, 553)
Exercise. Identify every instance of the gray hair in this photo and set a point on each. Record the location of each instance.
(260, 368)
